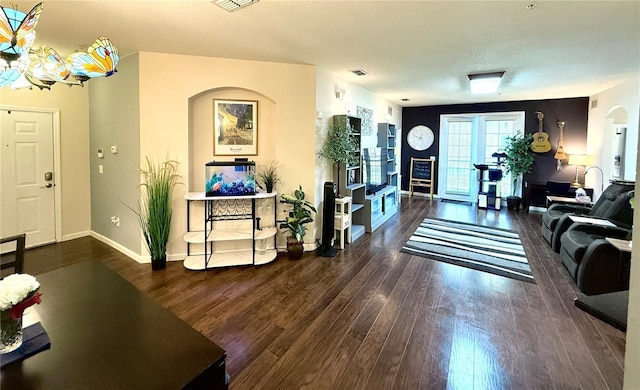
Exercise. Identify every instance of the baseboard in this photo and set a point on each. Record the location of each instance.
(76, 235)
(126, 251)
(415, 193)
(129, 253)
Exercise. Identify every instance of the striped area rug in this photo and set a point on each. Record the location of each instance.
(498, 251)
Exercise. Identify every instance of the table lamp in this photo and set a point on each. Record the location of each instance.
(577, 160)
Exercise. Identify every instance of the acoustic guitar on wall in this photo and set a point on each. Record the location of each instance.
(540, 142)
(560, 153)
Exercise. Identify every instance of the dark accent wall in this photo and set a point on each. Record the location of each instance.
(574, 112)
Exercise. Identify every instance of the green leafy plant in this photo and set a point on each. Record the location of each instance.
(268, 176)
(519, 156)
(154, 211)
(339, 148)
(298, 216)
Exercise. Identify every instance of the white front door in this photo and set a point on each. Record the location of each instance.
(27, 202)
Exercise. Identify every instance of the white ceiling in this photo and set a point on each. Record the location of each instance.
(421, 50)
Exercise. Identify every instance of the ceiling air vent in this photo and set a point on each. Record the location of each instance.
(405, 99)
(358, 72)
(233, 5)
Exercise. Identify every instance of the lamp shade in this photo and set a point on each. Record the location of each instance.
(578, 159)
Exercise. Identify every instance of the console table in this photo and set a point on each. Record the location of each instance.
(535, 194)
(106, 334)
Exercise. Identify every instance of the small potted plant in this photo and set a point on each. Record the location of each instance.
(154, 210)
(297, 217)
(339, 147)
(268, 176)
(518, 161)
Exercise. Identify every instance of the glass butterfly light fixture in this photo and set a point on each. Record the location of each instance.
(21, 66)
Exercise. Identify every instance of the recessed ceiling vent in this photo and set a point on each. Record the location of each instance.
(405, 99)
(233, 5)
(358, 72)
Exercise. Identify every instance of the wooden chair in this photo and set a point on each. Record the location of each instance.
(15, 259)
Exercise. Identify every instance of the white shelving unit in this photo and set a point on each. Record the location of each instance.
(342, 221)
(380, 207)
(228, 233)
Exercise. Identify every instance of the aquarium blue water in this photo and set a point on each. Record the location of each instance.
(230, 178)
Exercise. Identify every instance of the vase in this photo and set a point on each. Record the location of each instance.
(10, 332)
(159, 264)
(295, 248)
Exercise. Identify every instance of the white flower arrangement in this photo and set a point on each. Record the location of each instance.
(15, 288)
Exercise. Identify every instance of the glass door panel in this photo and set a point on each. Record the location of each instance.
(468, 139)
(455, 169)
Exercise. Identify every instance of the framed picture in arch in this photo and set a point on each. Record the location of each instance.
(235, 127)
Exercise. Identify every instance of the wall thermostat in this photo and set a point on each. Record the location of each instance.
(114, 149)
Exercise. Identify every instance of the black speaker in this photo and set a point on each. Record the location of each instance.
(328, 220)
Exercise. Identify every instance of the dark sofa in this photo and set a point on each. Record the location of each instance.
(613, 205)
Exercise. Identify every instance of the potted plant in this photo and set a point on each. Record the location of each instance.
(154, 210)
(339, 148)
(297, 217)
(518, 161)
(268, 176)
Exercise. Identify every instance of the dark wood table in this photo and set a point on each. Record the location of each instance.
(105, 334)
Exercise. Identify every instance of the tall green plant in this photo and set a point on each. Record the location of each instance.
(154, 210)
(519, 156)
(339, 147)
(298, 216)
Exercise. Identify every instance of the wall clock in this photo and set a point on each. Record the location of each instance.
(420, 137)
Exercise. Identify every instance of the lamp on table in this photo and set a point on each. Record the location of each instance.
(577, 160)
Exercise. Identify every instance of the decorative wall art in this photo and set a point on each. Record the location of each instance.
(235, 127)
(366, 115)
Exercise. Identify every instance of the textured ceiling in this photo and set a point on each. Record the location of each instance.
(420, 50)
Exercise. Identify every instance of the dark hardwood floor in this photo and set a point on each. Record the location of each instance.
(375, 318)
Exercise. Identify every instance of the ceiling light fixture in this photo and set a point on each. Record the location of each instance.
(233, 5)
(21, 66)
(483, 83)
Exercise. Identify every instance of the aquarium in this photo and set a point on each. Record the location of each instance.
(230, 178)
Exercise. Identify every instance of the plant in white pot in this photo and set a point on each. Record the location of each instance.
(154, 210)
(518, 162)
(296, 218)
(339, 147)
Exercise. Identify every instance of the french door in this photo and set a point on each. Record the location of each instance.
(467, 139)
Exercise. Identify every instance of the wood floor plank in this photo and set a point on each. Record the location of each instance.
(376, 318)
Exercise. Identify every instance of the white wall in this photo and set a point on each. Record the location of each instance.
(601, 129)
(169, 87)
(329, 105)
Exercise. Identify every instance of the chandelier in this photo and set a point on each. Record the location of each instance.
(22, 66)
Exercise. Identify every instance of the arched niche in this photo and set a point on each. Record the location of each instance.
(615, 131)
(618, 115)
(201, 109)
